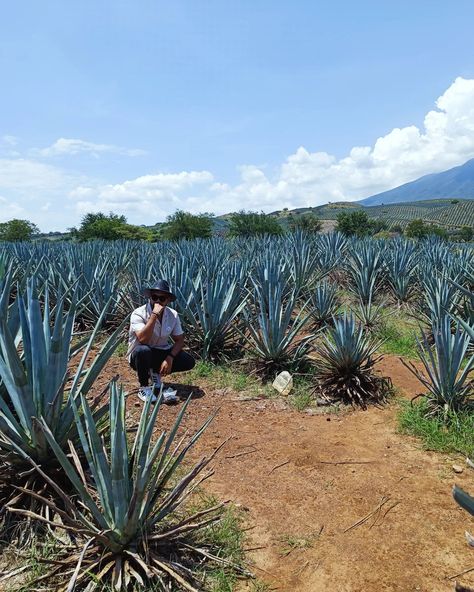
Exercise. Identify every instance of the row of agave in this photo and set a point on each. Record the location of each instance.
(111, 275)
(66, 461)
(271, 298)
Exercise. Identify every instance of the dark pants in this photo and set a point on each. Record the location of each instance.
(145, 358)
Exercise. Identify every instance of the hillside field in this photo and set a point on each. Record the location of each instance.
(450, 213)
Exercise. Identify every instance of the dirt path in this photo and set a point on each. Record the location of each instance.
(300, 507)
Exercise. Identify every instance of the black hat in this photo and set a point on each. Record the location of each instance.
(159, 286)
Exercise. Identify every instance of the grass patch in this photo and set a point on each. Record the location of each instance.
(453, 434)
(226, 535)
(219, 376)
(399, 335)
(301, 396)
(229, 376)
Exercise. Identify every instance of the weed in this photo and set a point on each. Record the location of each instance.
(301, 400)
(399, 337)
(293, 543)
(121, 349)
(202, 370)
(259, 586)
(453, 432)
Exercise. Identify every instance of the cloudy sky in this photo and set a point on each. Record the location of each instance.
(141, 107)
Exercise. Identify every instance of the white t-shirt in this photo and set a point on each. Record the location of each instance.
(170, 325)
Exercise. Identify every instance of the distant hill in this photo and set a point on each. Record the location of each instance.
(450, 213)
(457, 182)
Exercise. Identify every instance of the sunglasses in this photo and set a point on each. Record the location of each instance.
(159, 297)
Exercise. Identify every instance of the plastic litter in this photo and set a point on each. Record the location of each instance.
(283, 383)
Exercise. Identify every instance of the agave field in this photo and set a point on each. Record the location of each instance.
(310, 304)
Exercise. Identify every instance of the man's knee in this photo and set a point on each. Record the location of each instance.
(141, 354)
(192, 362)
(186, 362)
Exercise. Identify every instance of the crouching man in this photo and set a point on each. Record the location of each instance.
(155, 342)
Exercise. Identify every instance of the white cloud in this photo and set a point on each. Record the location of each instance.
(17, 174)
(33, 189)
(9, 210)
(306, 178)
(148, 195)
(9, 140)
(26, 188)
(73, 147)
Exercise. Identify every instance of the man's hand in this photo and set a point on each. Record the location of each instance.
(166, 366)
(158, 309)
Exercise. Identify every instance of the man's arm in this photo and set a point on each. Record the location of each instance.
(144, 334)
(178, 344)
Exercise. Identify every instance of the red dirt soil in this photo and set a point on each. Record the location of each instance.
(276, 468)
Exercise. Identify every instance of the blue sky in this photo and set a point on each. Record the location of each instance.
(144, 107)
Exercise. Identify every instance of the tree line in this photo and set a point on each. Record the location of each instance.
(184, 225)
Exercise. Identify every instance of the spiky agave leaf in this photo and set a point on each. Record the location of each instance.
(365, 268)
(370, 314)
(345, 367)
(273, 329)
(448, 366)
(211, 310)
(440, 297)
(131, 524)
(465, 500)
(324, 303)
(402, 264)
(36, 385)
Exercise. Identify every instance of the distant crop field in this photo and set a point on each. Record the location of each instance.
(444, 212)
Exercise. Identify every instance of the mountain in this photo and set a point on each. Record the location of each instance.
(457, 182)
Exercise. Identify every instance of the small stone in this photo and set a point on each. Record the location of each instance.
(457, 469)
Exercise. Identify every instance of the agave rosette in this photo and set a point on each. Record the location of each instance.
(36, 384)
(448, 367)
(345, 365)
(128, 512)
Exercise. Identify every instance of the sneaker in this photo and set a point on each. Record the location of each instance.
(156, 380)
(170, 397)
(145, 393)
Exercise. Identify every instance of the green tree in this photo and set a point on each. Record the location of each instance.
(466, 233)
(358, 223)
(184, 225)
(17, 230)
(308, 222)
(418, 229)
(253, 223)
(108, 227)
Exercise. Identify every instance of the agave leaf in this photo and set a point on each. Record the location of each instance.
(14, 377)
(119, 462)
(73, 477)
(463, 499)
